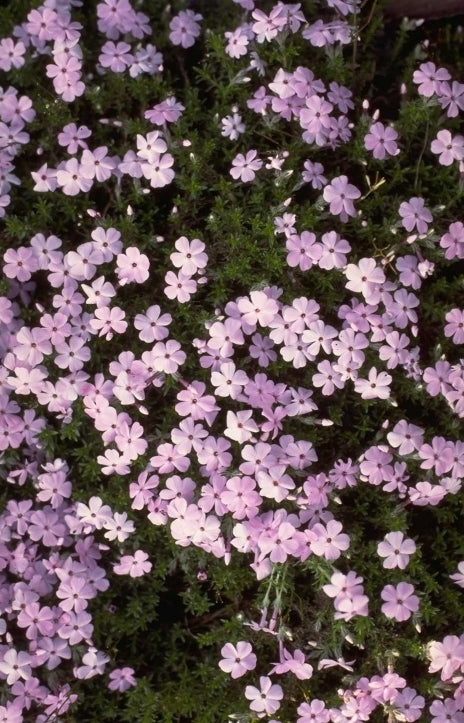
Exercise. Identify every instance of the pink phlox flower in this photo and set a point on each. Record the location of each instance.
(285, 224)
(446, 710)
(381, 140)
(396, 550)
(438, 455)
(327, 378)
(119, 527)
(152, 325)
(214, 455)
(121, 679)
(229, 381)
(244, 167)
(179, 286)
(330, 540)
(74, 594)
(112, 462)
(446, 656)
(261, 349)
(341, 194)
(107, 241)
(237, 659)
(20, 263)
(266, 698)
(267, 27)
(168, 111)
(42, 23)
(303, 250)
(167, 459)
(237, 42)
(400, 602)
(95, 514)
(83, 262)
(315, 115)
(451, 97)
(376, 386)
(365, 277)
(129, 440)
(97, 164)
(146, 59)
(409, 705)
(187, 519)
(151, 146)
(11, 54)
(334, 250)
(408, 438)
(70, 178)
(117, 57)
(274, 483)
(94, 662)
(167, 357)
(240, 497)
(190, 256)
(424, 494)
(224, 335)
(342, 586)
(455, 326)
(313, 712)
(108, 321)
(232, 126)
(72, 137)
(15, 665)
(340, 96)
(458, 577)
(295, 664)
(114, 17)
(100, 292)
(188, 436)
(134, 565)
(259, 101)
(453, 241)
(130, 165)
(185, 28)
(414, 214)
(345, 7)
(158, 170)
(46, 250)
(240, 426)
(195, 403)
(258, 308)
(132, 266)
(449, 148)
(314, 174)
(429, 79)
(384, 689)
(140, 492)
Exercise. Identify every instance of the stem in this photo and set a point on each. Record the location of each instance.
(416, 178)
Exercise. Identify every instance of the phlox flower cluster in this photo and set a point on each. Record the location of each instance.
(236, 475)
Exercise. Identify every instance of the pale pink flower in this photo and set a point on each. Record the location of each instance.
(258, 308)
(132, 266)
(400, 602)
(446, 656)
(237, 659)
(266, 698)
(244, 167)
(341, 194)
(134, 565)
(449, 148)
(396, 549)
(190, 256)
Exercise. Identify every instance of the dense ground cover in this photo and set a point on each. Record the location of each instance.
(231, 393)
